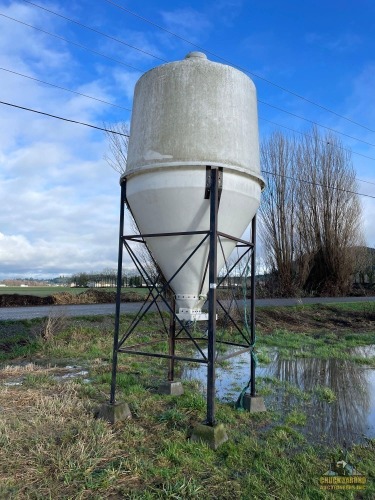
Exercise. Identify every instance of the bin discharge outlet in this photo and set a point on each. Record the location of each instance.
(188, 115)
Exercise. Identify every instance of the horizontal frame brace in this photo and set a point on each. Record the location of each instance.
(233, 354)
(204, 339)
(141, 344)
(233, 238)
(235, 344)
(185, 339)
(165, 356)
(157, 235)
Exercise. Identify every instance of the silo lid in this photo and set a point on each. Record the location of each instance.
(200, 55)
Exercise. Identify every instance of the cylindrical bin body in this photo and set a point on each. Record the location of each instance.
(188, 115)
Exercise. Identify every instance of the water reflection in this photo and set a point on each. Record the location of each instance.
(348, 419)
(345, 419)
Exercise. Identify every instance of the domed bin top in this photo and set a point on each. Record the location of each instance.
(194, 112)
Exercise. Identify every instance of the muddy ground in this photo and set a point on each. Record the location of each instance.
(316, 318)
(65, 298)
(95, 296)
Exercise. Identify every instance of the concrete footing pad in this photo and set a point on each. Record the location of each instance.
(214, 436)
(171, 388)
(117, 412)
(254, 404)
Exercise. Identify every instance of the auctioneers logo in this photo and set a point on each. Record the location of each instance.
(342, 476)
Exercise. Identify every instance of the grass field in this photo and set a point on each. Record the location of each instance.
(39, 291)
(51, 446)
(44, 291)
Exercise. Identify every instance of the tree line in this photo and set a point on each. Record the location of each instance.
(310, 215)
(106, 278)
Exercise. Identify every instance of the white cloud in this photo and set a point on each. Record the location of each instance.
(44, 257)
(187, 22)
(360, 98)
(338, 43)
(228, 10)
(358, 106)
(138, 47)
(28, 44)
(368, 209)
(126, 81)
(59, 198)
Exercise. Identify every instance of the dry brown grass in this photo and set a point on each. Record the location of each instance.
(35, 372)
(90, 296)
(315, 319)
(53, 324)
(14, 370)
(52, 447)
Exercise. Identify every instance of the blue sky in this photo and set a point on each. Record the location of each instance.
(59, 198)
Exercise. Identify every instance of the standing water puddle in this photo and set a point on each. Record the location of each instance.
(16, 374)
(337, 396)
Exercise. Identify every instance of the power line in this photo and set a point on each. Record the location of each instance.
(120, 62)
(323, 142)
(235, 65)
(72, 43)
(228, 62)
(127, 109)
(64, 88)
(127, 135)
(96, 31)
(366, 182)
(62, 118)
(315, 123)
(316, 184)
(164, 60)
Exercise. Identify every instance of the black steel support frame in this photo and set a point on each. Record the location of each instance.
(156, 292)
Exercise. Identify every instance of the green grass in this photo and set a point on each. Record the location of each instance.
(51, 446)
(362, 306)
(326, 345)
(325, 394)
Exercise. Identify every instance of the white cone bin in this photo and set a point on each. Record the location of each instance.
(188, 115)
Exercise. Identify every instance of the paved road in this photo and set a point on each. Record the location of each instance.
(106, 309)
(66, 310)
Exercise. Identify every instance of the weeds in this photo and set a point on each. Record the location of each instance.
(296, 417)
(52, 447)
(182, 489)
(174, 418)
(52, 325)
(325, 394)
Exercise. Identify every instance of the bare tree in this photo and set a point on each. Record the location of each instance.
(329, 215)
(278, 212)
(117, 147)
(364, 266)
(310, 214)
